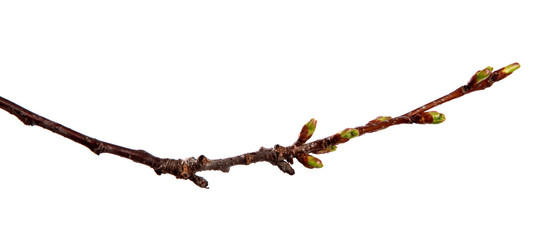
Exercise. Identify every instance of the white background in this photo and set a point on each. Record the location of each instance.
(221, 78)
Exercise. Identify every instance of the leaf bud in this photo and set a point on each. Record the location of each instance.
(505, 71)
(483, 74)
(510, 68)
(379, 120)
(310, 161)
(349, 133)
(344, 135)
(330, 148)
(307, 131)
(432, 117)
(480, 76)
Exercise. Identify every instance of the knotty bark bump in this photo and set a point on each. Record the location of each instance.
(279, 156)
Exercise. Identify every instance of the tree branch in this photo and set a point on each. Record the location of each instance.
(280, 156)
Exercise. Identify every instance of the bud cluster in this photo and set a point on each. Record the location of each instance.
(486, 77)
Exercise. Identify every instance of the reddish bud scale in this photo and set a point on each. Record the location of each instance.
(428, 117)
(337, 139)
(344, 135)
(422, 118)
(310, 161)
(306, 132)
(481, 76)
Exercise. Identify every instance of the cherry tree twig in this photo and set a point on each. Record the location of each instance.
(279, 156)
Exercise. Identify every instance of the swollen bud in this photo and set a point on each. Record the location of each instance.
(349, 133)
(306, 132)
(311, 125)
(345, 135)
(310, 161)
(505, 71)
(510, 68)
(437, 117)
(379, 120)
(432, 117)
(330, 148)
(483, 74)
(480, 76)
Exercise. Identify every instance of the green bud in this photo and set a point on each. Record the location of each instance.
(432, 117)
(314, 162)
(310, 161)
(483, 74)
(437, 117)
(306, 132)
(510, 68)
(383, 118)
(311, 125)
(379, 120)
(349, 133)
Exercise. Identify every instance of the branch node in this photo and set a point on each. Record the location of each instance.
(284, 153)
(96, 146)
(27, 121)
